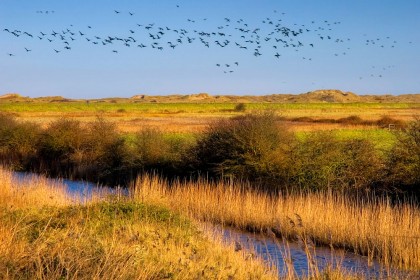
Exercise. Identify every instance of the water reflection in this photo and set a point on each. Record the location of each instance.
(78, 190)
(276, 252)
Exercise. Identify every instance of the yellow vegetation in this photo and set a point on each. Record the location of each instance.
(376, 229)
(45, 234)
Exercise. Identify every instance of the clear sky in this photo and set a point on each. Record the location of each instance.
(93, 49)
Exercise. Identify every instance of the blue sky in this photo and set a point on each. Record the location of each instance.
(236, 47)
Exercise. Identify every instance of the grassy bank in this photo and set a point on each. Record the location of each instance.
(47, 235)
(374, 228)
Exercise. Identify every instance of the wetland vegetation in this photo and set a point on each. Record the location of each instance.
(285, 170)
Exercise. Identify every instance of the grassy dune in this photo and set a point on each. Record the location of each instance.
(376, 229)
(46, 235)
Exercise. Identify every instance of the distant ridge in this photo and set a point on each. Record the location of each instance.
(330, 96)
(10, 96)
(316, 96)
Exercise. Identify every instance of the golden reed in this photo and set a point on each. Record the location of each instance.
(375, 228)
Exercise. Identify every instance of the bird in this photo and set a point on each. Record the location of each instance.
(253, 40)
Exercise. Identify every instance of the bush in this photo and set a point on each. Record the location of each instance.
(17, 142)
(240, 107)
(249, 146)
(61, 145)
(321, 162)
(106, 156)
(151, 148)
(351, 120)
(403, 164)
(386, 121)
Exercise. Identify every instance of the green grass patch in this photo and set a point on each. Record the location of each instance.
(382, 139)
(176, 108)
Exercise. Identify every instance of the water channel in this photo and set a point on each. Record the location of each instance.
(272, 250)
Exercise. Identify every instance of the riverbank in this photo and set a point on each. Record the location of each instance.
(46, 234)
(40, 216)
(375, 228)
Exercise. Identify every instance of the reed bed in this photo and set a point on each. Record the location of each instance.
(30, 191)
(375, 228)
(46, 234)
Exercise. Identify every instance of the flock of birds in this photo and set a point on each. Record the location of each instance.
(271, 38)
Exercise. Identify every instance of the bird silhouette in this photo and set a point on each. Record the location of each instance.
(270, 35)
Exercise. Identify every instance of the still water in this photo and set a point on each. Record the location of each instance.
(273, 251)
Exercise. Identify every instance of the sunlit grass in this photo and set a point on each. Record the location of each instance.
(46, 235)
(190, 107)
(120, 238)
(374, 228)
(382, 139)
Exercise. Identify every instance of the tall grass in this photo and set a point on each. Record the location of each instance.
(46, 235)
(375, 228)
(34, 191)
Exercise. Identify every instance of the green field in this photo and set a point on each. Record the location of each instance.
(83, 106)
(382, 139)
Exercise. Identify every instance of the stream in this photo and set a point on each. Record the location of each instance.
(273, 251)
